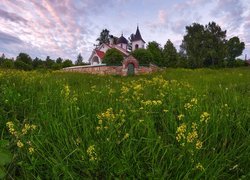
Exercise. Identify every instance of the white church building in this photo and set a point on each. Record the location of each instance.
(121, 45)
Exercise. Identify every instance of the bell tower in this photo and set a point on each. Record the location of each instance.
(137, 41)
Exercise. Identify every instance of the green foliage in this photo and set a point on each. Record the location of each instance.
(25, 58)
(170, 55)
(67, 63)
(79, 60)
(22, 65)
(5, 157)
(111, 127)
(234, 49)
(155, 49)
(204, 45)
(143, 56)
(104, 37)
(113, 57)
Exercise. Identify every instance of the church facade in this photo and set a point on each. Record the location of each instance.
(121, 44)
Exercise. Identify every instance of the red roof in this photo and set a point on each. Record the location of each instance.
(100, 53)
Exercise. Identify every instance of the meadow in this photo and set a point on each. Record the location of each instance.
(174, 124)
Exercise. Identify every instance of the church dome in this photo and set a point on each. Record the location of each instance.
(122, 40)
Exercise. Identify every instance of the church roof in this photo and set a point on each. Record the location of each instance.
(122, 40)
(137, 36)
(100, 54)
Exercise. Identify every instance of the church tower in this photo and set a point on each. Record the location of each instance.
(137, 41)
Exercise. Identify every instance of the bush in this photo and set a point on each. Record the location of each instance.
(143, 56)
(113, 57)
(23, 66)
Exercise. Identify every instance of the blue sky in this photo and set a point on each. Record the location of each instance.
(64, 28)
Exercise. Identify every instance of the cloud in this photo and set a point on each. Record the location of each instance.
(11, 16)
(8, 39)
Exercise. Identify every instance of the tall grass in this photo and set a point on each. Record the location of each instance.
(175, 124)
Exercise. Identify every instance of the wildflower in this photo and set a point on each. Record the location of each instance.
(33, 127)
(180, 132)
(188, 106)
(92, 153)
(194, 101)
(199, 167)
(19, 144)
(25, 129)
(198, 144)
(100, 122)
(180, 117)
(31, 150)
(192, 136)
(194, 126)
(165, 110)
(126, 136)
(205, 116)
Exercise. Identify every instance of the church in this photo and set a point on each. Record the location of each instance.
(121, 44)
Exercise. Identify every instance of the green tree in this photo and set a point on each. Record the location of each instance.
(25, 58)
(204, 45)
(155, 49)
(215, 49)
(170, 55)
(23, 62)
(67, 63)
(49, 62)
(79, 60)
(38, 63)
(59, 60)
(113, 57)
(143, 56)
(104, 37)
(234, 49)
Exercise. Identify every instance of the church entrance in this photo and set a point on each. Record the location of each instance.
(131, 69)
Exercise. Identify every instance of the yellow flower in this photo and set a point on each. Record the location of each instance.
(19, 144)
(92, 153)
(33, 127)
(31, 150)
(126, 136)
(199, 167)
(205, 116)
(180, 117)
(198, 144)
(192, 136)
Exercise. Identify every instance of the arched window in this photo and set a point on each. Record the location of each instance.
(136, 46)
(95, 60)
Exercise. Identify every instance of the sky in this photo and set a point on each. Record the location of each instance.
(65, 28)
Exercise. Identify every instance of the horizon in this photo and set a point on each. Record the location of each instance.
(66, 28)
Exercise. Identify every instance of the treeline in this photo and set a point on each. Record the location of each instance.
(24, 62)
(202, 46)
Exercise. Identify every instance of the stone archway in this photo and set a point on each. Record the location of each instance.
(131, 69)
(130, 66)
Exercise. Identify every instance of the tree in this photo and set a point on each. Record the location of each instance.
(67, 63)
(38, 63)
(234, 49)
(25, 58)
(204, 45)
(79, 60)
(49, 62)
(155, 49)
(113, 57)
(104, 37)
(143, 56)
(215, 50)
(170, 56)
(59, 60)
(23, 61)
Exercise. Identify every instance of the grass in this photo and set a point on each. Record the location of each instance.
(175, 124)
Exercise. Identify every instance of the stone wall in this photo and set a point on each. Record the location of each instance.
(114, 70)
